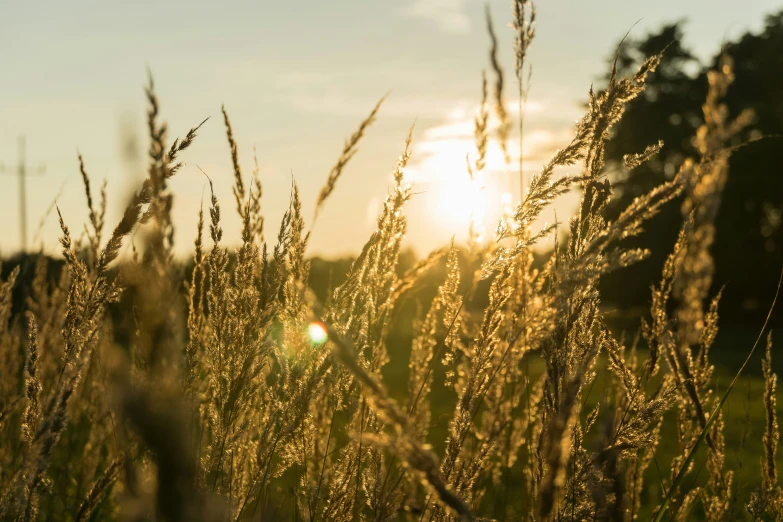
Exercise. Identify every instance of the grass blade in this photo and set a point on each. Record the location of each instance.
(665, 504)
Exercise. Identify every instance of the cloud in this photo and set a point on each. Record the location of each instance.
(448, 14)
(337, 101)
(441, 151)
(450, 201)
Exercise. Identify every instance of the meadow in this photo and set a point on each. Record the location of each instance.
(138, 386)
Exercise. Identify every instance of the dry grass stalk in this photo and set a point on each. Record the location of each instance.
(223, 398)
(349, 149)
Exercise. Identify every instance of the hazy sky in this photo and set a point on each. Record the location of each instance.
(296, 78)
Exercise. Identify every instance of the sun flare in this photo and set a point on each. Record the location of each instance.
(317, 332)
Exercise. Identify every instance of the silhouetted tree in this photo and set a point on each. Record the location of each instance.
(749, 244)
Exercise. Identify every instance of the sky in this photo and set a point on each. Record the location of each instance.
(296, 79)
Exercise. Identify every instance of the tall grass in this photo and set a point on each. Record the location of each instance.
(234, 394)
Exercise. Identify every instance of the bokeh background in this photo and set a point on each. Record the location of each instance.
(298, 77)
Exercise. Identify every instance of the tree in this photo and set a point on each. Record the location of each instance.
(749, 246)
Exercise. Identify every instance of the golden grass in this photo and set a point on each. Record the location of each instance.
(216, 404)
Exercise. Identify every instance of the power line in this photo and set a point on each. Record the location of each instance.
(22, 172)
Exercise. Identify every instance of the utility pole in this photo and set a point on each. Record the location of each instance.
(22, 172)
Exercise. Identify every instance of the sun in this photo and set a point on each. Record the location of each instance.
(456, 201)
(462, 204)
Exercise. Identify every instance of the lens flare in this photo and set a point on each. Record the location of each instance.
(317, 332)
